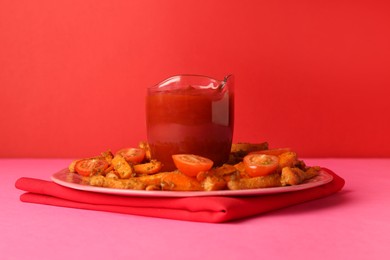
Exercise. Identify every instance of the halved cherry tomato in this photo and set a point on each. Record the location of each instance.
(132, 155)
(260, 164)
(276, 152)
(92, 166)
(191, 164)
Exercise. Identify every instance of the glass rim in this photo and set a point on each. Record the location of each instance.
(177, 77)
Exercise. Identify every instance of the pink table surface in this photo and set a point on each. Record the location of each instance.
(352, 224)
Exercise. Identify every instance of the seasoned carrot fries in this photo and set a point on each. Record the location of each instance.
(146, 175)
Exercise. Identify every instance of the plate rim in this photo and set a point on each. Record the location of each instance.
(324, 178)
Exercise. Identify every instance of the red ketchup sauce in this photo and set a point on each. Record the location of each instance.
(190, 120)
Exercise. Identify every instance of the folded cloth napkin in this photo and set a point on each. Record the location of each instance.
(202, 209)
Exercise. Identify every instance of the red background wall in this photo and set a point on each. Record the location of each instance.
(312, 75)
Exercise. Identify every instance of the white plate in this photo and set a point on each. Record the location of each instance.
(75, 181)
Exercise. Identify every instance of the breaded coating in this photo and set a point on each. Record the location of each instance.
(101, 181)
(272, 180)
(295, 176)
(122, 167)
(151, 167)
(288, 159)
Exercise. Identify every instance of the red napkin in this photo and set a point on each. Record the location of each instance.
(201, 209)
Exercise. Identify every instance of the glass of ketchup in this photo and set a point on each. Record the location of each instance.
(190, 114)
